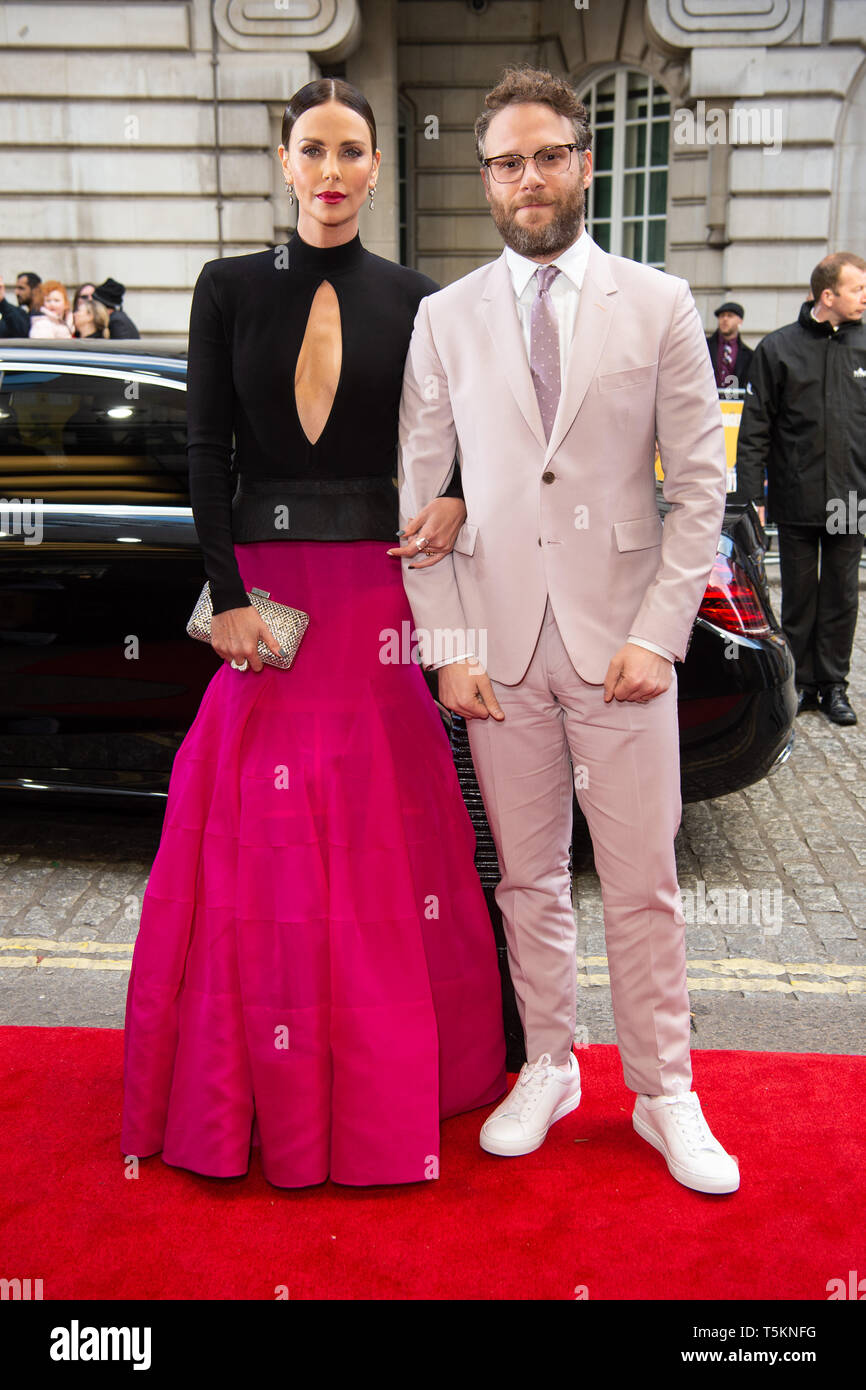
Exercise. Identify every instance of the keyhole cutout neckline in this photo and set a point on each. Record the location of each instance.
(320, 363)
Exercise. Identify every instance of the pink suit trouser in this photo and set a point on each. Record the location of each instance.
(622, 759)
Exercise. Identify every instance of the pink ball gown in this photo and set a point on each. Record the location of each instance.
(315, 970)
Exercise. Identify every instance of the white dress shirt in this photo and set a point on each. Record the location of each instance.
(564, 292)
(564, 295)
(814, 316)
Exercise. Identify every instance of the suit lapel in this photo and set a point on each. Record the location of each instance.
(591, 326)
(500, 316)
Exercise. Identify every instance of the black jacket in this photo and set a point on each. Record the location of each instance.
(742, 361)
(804, 420)
(120, 325)
(14, 320)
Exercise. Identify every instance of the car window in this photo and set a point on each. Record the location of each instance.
(92, 434)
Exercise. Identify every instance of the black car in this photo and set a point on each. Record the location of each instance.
(99, 679)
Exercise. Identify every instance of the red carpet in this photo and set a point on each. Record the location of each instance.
(594, 1208)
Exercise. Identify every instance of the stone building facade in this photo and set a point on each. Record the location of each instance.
(138, 139)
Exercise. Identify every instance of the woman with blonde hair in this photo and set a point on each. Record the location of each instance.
(90, 319)
(51, 315)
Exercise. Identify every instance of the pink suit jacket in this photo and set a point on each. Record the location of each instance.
(574, 517)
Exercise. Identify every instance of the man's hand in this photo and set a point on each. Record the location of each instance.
(635, 673)
(464, 688)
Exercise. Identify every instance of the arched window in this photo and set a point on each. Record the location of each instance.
(629, 115)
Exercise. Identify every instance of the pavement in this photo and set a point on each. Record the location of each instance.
(773, 881)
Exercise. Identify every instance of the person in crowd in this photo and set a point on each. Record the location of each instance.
(315, 966)
(91, 319)
(25, 283)
(84, 291)
(804, 428)
(14, 321)
(528, 367)
(50, 311)
(110, 293)
(729, 355)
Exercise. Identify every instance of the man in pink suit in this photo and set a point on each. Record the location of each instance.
(556, 619)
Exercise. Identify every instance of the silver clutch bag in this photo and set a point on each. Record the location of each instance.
(287, 624)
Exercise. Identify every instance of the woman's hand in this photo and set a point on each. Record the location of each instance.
(235, 636)
(436, 527)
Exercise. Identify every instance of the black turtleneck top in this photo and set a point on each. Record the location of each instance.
(247, 323)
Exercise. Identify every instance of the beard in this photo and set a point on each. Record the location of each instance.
(557, 234)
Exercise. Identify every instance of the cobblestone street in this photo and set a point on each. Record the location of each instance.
(785, 969)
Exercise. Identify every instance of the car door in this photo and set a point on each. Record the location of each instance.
(99, 570)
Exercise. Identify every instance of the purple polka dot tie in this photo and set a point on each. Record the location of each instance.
(544, 348)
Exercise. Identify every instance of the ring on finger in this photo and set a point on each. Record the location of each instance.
(420, 541)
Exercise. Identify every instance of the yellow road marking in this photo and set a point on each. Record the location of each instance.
(67, 962)
(754, 967)
(33, 949)
(42, 944)
(722, 982)
(735, 974)
(753, 976)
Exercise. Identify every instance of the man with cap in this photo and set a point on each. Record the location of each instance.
(729, 355)
(110, 293)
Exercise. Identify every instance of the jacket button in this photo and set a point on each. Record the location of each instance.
(547, 476)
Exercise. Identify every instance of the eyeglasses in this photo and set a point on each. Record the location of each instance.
(553, 159)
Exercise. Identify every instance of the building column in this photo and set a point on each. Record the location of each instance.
(373, 69)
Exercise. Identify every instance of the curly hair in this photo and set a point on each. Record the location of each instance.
(525, 83)
(44, 289)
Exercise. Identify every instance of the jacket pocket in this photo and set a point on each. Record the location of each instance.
(635, 376)
(464, 541)
(639, 534)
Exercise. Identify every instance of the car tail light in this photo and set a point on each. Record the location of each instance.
(731, 602)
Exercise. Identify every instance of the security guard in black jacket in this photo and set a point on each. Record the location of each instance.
(804, 424)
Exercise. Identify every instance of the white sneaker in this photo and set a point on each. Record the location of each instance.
(542, 1094)
(675, 1125)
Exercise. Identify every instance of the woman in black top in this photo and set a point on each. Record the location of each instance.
(315, 971)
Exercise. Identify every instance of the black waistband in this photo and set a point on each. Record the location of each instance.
(314, 509)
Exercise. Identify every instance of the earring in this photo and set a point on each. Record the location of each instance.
(371, 197)
(291, 191)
